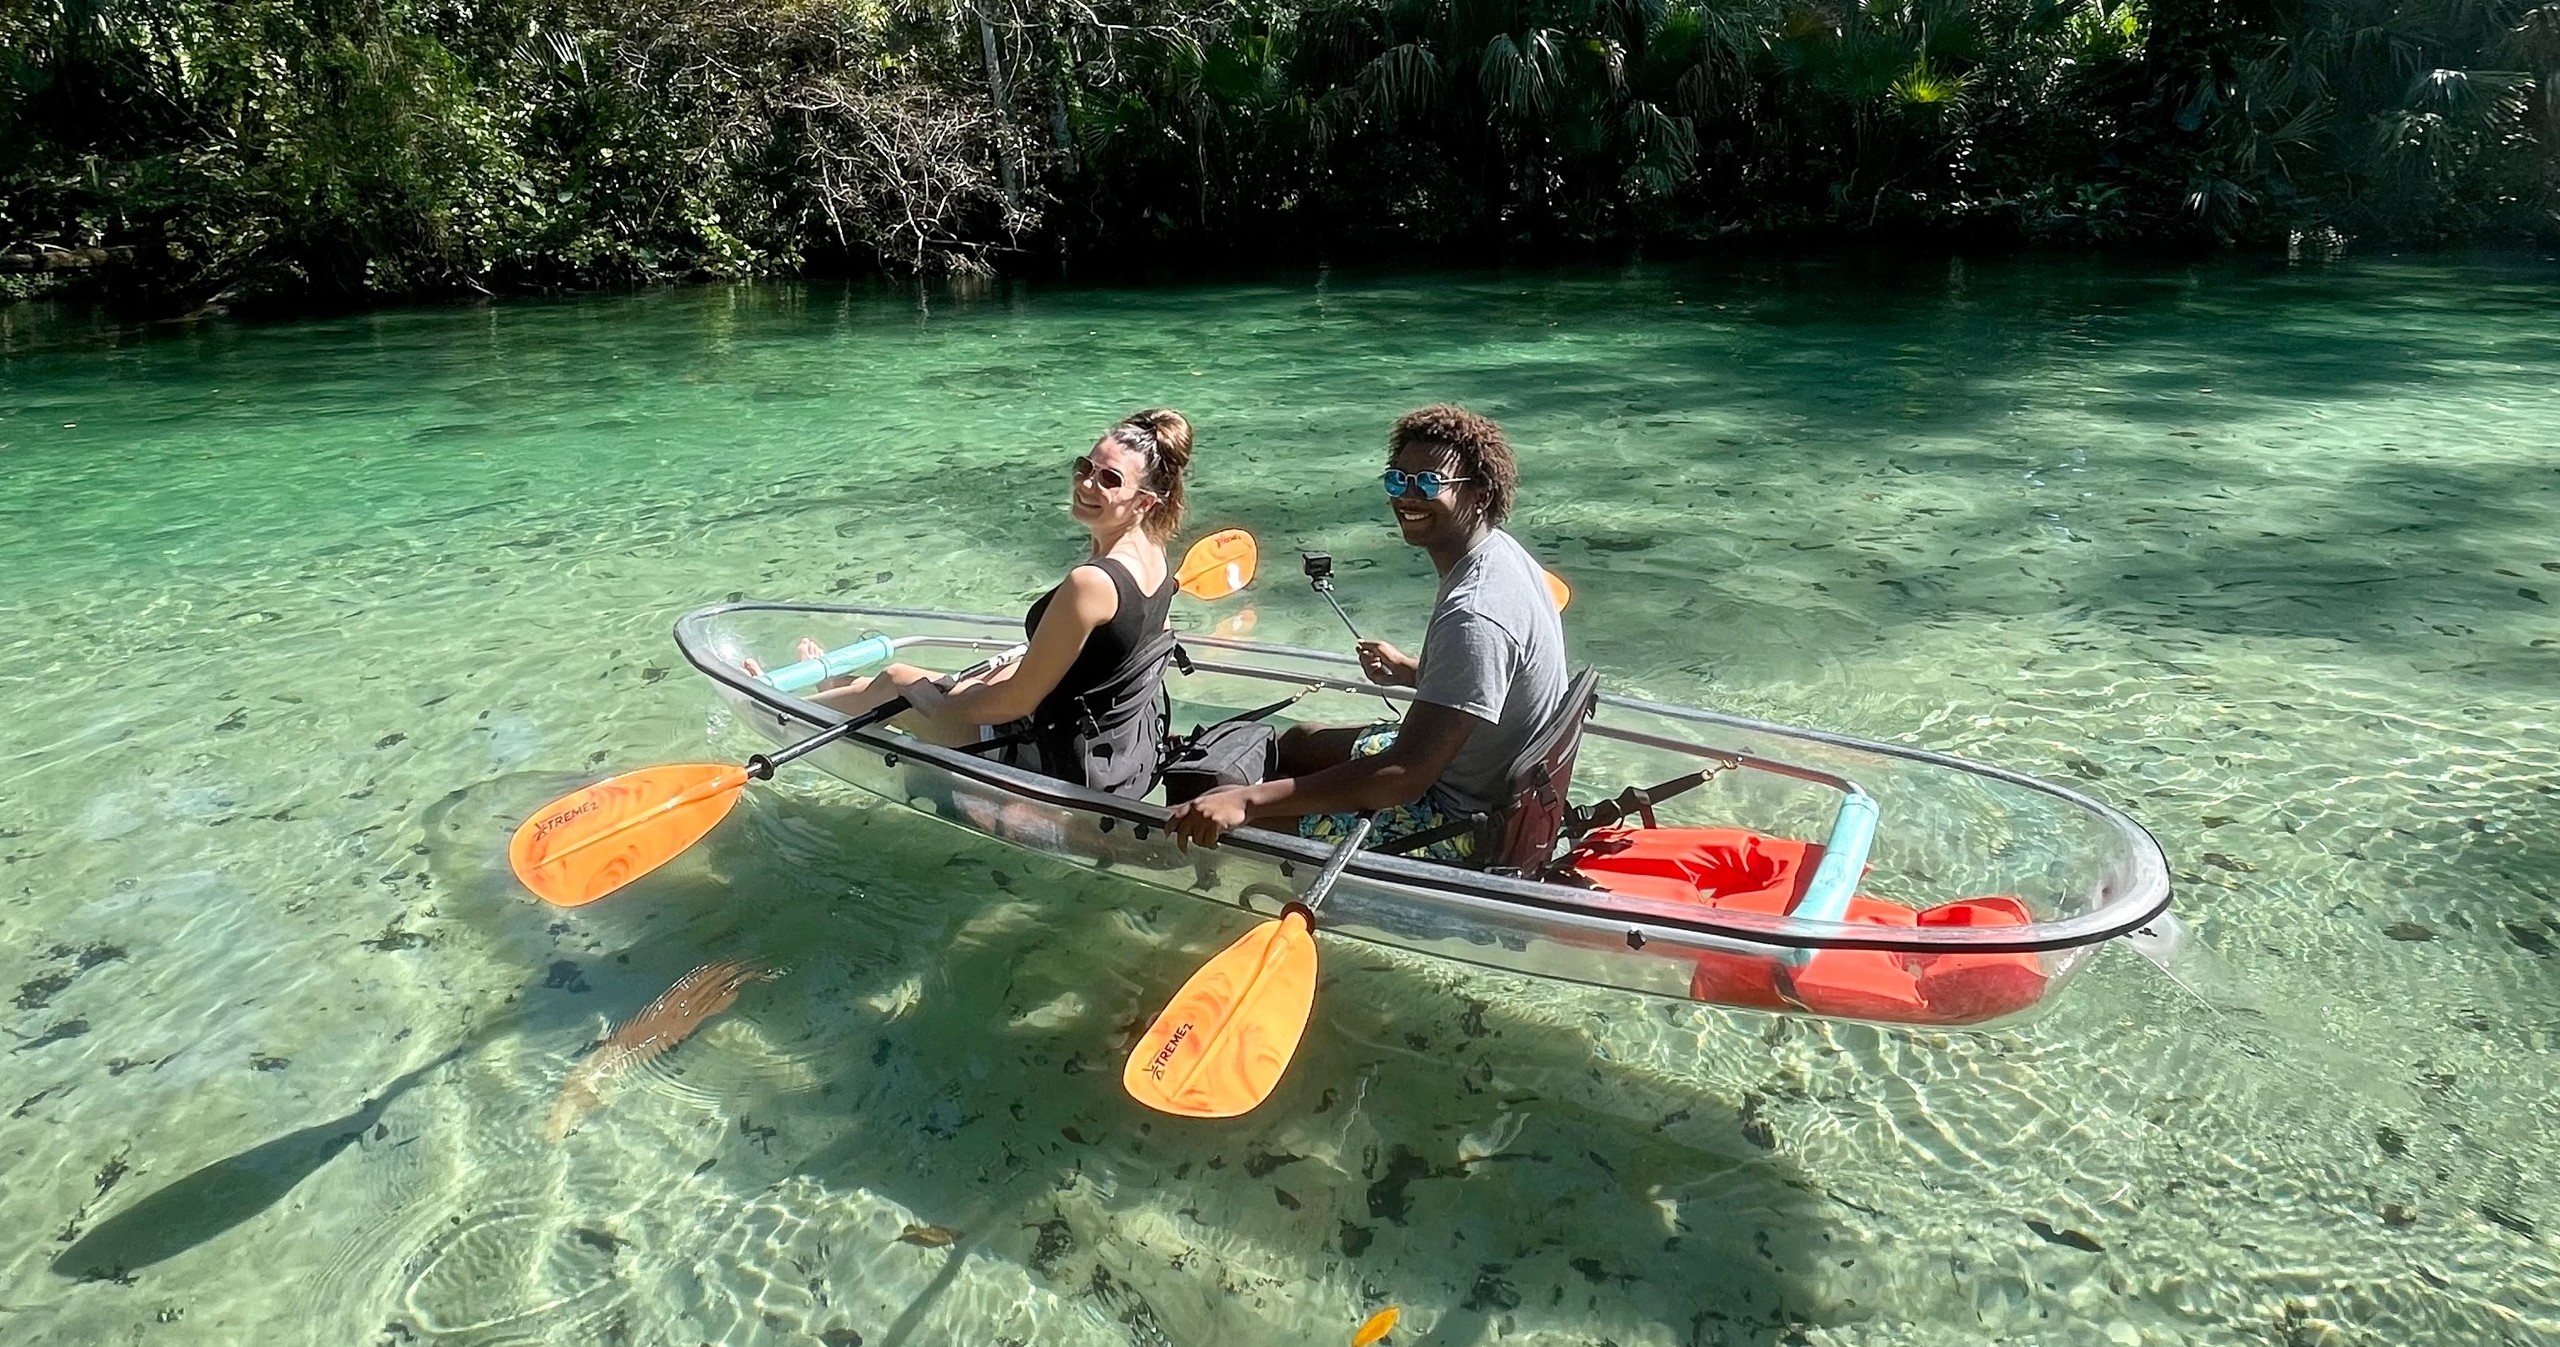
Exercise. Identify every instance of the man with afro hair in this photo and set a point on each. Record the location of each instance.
(1492, 668)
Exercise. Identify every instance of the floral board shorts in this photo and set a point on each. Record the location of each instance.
(1403, 820)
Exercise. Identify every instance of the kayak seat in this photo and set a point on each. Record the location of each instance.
(1736, 870)
(1520, 838)
(1730, 868)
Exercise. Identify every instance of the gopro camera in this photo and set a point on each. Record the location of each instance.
(1319, 566)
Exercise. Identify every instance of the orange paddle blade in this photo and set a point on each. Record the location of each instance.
(1376, 1326)
(586, 845)
(1219, 565)
(1557, 589)
(1220, 1045)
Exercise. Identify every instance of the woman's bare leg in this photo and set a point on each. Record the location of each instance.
(865, 694)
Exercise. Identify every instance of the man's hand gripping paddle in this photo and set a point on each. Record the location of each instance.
(590, 843)
(1224, 1040)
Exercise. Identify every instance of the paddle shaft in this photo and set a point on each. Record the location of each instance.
(762, 764)
(760, 767)
(1334, 864)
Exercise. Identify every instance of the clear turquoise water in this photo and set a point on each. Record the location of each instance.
(299, 619)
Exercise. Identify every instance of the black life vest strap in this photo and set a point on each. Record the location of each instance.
(1001, 741)
(1032, 727)
(1636, 800)
(1044, 734)
(1148, 657)
(1273, 709)
(1471, 824)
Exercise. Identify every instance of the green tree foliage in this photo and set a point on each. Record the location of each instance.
(407, 146)
(2418, 120)
(391, 146)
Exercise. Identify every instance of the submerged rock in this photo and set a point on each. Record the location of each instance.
(1491, 1291)
(37, 992)
(2069, 1239)
(59, 1032)
(2505, 1219)
(1054, 1241)
(1387, 1196)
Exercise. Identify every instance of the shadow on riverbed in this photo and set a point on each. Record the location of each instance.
(1435, 1145)
(948, 1047)
(231, 1190)
(214, 1199)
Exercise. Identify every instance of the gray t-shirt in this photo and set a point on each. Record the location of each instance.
(1495, 650)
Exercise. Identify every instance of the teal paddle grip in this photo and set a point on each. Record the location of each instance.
(808, 673)
(1844, 861)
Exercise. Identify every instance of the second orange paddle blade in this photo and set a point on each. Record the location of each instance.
(1222, 1043)
(586, 845)
(1219, 565)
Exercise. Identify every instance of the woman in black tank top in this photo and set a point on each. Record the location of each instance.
(1128, 493)
(1137, 616)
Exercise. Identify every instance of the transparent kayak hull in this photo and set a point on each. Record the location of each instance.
(1933, 834)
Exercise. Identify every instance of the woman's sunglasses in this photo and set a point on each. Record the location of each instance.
(1430, 484)
(1109, 479)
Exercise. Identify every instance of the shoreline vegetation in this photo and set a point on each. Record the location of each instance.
(177, 154)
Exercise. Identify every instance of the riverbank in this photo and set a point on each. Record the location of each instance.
(276, 148)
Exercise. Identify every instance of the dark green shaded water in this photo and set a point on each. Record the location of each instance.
(299, 619)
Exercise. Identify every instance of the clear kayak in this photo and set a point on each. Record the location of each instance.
(1750, 865)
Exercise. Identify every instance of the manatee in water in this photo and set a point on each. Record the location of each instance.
(663, 1023)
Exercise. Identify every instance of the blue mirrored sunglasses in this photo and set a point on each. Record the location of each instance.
(1430, 484)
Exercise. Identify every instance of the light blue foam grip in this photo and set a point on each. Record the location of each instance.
(1844, 861)
(836, 663)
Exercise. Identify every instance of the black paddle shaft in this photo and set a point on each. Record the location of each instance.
(761, 766)
(1322, 889)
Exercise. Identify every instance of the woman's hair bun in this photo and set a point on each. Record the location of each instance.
(1171, 431)
(1164, 436)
